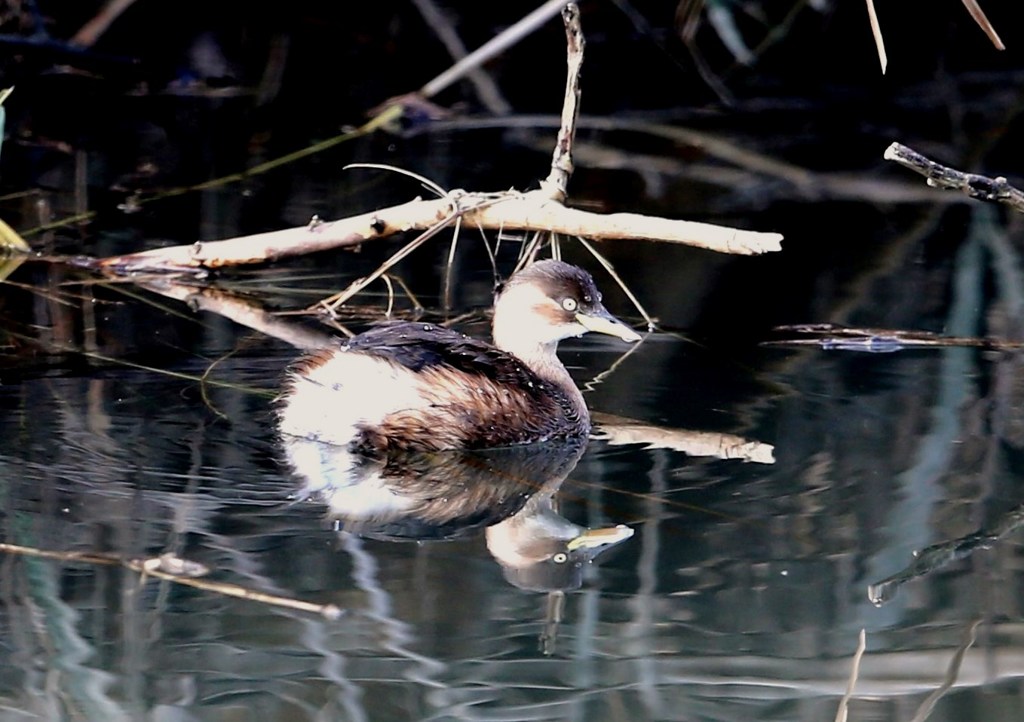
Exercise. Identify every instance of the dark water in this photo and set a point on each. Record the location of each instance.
(740, 596)
(133, 424)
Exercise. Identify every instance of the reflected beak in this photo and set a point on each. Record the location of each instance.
(594, 540)
(600, 321)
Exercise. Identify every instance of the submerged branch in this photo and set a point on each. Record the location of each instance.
(940, 555)
(832, 337)
(173, 569)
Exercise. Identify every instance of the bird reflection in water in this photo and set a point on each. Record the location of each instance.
(508, 493)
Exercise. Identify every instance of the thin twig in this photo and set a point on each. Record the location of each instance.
(391, 295)
(450, 264)
(430, 185)
(604, 375)
(528, 251)
(416, 305)
(493, 47)
(204, 389)
(606, 264)
(458, 209)
(486, 89)
(331, 304)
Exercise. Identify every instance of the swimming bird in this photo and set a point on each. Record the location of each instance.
(410, 386)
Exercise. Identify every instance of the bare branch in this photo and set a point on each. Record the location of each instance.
(514, 211)
(939, 176)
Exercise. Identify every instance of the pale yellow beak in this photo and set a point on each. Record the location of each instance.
(595, 539)
(604, 322)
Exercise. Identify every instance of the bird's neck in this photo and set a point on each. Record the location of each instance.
(542, 359)
(520, 329)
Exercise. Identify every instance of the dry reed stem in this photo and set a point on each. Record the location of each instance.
(876, 33)
(979, 17)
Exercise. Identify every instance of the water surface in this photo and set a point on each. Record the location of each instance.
(741, 595)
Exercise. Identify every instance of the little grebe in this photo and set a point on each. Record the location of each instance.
(419, 387)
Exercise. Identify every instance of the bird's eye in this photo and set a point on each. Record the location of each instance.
(560, 558)
(569, 304)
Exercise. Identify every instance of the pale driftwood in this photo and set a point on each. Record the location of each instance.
(533, 211)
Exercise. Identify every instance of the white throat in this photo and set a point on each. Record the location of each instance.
(522, 328)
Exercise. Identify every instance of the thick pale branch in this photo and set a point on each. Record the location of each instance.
(533, 211)
(529, 213)
(263, 247)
